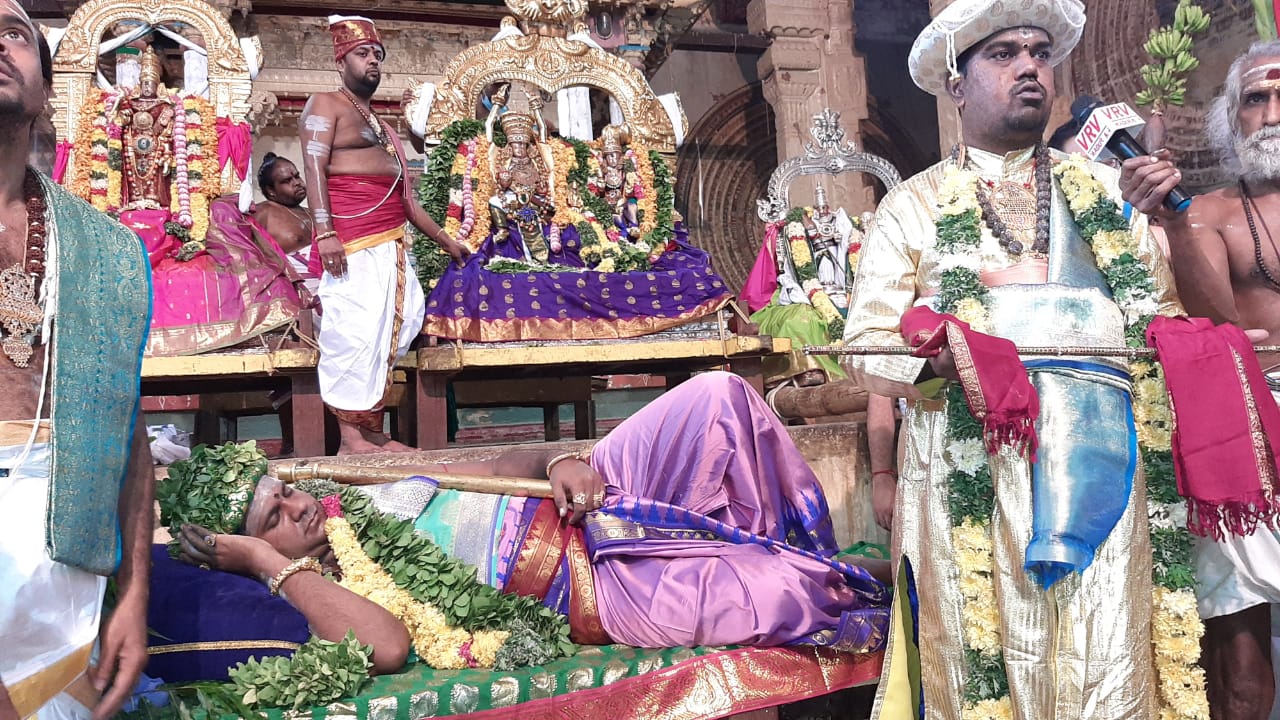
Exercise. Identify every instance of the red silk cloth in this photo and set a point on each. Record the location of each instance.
(361, 205)
(235, 146)
(1224, 420)
(996, 387)
(375, 199)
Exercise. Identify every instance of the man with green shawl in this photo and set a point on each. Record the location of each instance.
(75, 473)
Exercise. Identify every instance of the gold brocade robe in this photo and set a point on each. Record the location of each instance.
(1081, 649)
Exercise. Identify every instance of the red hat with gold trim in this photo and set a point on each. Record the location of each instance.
(350, 32)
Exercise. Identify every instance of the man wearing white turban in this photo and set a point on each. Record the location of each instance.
(1038, 604)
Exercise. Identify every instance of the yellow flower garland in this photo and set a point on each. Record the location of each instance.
(564, 160)
(1175, 624)
(483, 187)
(451, 224)
(647, 205)
(438, 644)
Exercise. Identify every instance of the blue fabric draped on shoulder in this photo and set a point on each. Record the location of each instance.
(103, 312)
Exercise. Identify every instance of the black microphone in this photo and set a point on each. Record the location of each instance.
(1124, 146)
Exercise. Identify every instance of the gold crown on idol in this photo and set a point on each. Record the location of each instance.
(613, 137)
(517, 127)
(150, 65)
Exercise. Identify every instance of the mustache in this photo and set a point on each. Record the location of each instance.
(1269, 132)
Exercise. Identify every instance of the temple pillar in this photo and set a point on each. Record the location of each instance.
(810, 65)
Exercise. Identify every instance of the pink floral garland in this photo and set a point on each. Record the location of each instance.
(182, 178)
(468, 196)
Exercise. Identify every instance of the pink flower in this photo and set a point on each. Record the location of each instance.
(332, 505)
(464, 652)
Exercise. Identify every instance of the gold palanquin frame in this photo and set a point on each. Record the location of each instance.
(76, 63)
(551, 64)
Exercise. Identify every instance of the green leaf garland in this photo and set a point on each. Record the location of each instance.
(420, 567)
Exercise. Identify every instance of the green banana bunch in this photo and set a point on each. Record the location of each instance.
(1183, 62)
(1170, 47)
(1190, 19)
(1167, 42)
(1156, 75)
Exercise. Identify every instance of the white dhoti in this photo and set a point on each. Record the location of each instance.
(49, 612)
(371, 316)
(1237, 573)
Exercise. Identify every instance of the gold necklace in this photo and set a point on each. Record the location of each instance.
(20, 311)
(380, 133)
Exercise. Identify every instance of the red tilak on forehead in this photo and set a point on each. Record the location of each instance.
(1273, 74)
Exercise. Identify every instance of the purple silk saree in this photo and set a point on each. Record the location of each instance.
(473, 303)
(715, 531)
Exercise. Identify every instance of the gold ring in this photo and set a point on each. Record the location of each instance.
(598, 498)
(210, 540)
(580, 498)
(205, 566)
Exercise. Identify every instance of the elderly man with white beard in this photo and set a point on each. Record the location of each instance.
(1227, 267)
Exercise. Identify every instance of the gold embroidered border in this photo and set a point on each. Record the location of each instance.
(1261, 444)
(374, 240)
(477, 330)
(968, 373)
(585, 627)
(540, 553)
(213, 645)
(31, 693)
(708, 686)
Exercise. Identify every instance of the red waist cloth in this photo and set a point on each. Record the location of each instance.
(1225, 423)
(362, 205)
(375, 199)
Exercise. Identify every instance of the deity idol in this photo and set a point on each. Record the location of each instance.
(617, 182)
(146, 119)
(828, 234)
(522, 173)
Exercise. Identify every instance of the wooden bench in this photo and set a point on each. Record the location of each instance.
(536, 374)
(558, 364)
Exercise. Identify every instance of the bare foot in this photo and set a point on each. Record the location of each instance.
(351, 446)
(384, 442)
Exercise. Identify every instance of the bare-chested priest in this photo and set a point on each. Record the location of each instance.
(1227, 266)
(360, 199)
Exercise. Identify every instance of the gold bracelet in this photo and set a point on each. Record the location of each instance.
(576, 455)
(304, 563)
(326, 235)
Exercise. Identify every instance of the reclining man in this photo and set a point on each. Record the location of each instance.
(1227, 269)
(702, 526)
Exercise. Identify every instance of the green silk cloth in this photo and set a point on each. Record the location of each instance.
(420, 692)
(101, 321)
(804, 326)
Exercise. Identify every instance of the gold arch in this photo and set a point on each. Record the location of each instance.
(76, 62)
(551, 64)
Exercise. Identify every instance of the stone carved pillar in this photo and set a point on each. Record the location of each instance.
(811, 65)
